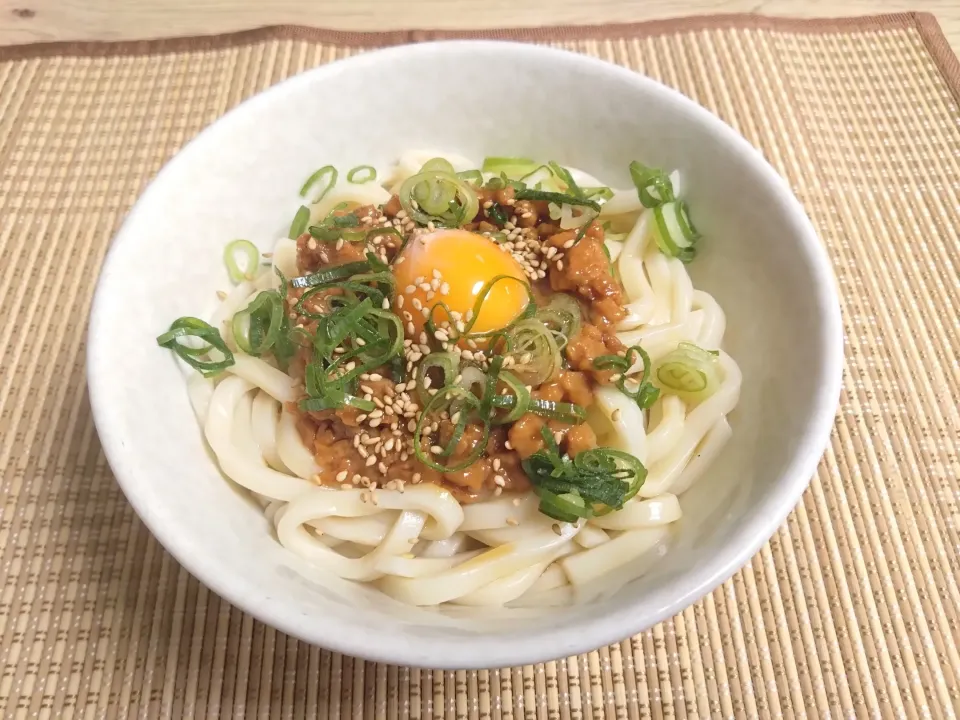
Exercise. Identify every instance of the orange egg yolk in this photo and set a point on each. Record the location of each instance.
(453, 267)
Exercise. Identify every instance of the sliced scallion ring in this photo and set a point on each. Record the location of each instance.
(444, 363)
(562, 411)
(439, 197)
(474, 177)
(362, 174)
(437, 163)
(653, 185)
(690, 372)
(257, 326)
(251, 258)
(566, 178)
(191, 327)
(299, 224)
(325, 177)
(556, 198)
(675, 234)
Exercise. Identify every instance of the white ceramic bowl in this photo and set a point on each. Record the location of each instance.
(760, 258)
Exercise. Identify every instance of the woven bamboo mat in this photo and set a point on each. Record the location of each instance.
(851, 610)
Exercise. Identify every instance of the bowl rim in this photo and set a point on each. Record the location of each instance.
(591, 633)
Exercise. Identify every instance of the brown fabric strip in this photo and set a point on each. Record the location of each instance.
(851, 610)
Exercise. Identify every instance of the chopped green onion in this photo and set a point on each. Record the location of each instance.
(642, 391)
(567, 507)
(326, 176)
(689, 372)
(437, 163)
(567, 179)
(345, 221)
(496, 213)
(533, 353)
(368, 173)
(474, 177)
(653, 185)
(257, 326)
(511, 168)
(250, 254)
(299, 223)
(675, 234)
(562, 411)
(517, 403)
(185, 327)
(326, 275)
(446, 363)
(603, 478)
(467, 402)
(602, 194)
(562, 317)
(438, 197)
(335, 401)
(557, 198)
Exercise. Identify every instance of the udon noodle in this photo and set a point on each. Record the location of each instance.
(417, 542)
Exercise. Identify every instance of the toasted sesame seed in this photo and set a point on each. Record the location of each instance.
(361, 417)
(512, 521)
(423, 340)
(223, 296)
(356, 478)
(559, 264)
(375, 422)
(376, 377)
(372, 460)
(497, 491)
(410, 328)
(516, 502)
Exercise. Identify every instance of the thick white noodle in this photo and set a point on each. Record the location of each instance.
(240, 465)
(265, 416)
(420, 546)
(662, 475)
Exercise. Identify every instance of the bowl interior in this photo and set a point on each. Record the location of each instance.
(240, 178)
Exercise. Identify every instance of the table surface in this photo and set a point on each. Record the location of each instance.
(26, 21)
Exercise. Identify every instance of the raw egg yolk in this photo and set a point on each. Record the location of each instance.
(453, 267)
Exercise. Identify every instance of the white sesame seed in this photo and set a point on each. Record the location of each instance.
(559, 264)
(341, 476)
(427, 382)
(436, 449)
(499, 481)
(441, 335)
(417, 304)
(409, 289)
(615, 415)
(425, 287)
(512, 521)
(508, 445)
(410, 328)
(423, 340)
(385, 304)
(399, 301)
(497, 491)
(312, 243)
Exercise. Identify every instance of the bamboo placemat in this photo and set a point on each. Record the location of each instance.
(851, 610)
